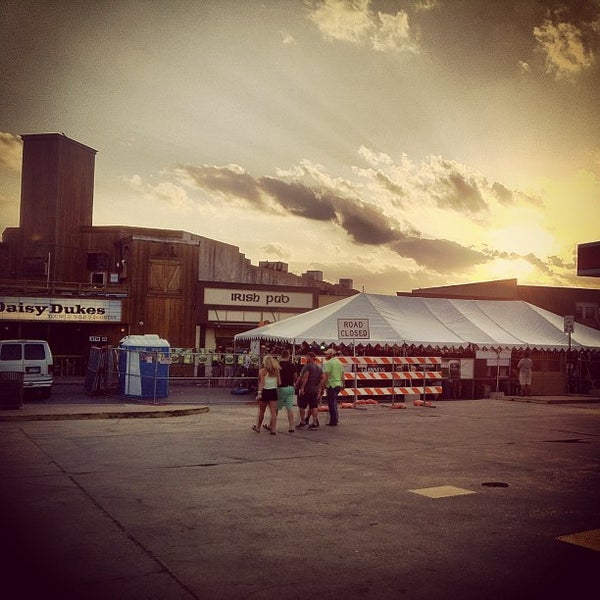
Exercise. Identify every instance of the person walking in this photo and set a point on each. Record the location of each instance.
(308, 392)
(332, 382)
(268, 380)
(285, 391)
(525, 367)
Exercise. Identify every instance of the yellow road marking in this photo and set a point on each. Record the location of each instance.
(588, 539)
(442, 491)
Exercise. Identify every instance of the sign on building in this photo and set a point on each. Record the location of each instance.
(79, 310)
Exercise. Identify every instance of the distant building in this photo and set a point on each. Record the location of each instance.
(582, 303)
(74, 284)
(588, 259)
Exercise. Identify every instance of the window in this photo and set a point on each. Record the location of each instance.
(586, 310)
(10, 352)
(98, 278)
(97, 261)
(35, 352)
(34, 266)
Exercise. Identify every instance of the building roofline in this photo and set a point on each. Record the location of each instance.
(41, 136)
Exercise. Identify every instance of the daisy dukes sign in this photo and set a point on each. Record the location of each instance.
(353, 329)
(59, 309)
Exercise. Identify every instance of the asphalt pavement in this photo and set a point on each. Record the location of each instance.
(491, 498)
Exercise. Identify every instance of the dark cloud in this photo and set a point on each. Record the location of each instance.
(503, 194)
(451, 189)
(462, 195)
(225, 180)
(582, 13)
(440, 255)
(543, 266)
(363, 222)
(559, 263)
(299, 199)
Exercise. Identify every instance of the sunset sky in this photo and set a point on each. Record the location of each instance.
(401, 144)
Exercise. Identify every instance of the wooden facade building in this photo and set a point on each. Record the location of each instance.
(74, 284)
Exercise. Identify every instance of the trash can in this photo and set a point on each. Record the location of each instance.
(11, 389)
(144, 366)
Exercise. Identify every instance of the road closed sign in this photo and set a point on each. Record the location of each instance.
(353, 329)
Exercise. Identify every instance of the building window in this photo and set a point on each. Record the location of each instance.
(97, 261)
(98, 278)
(586, 310)
(35, 266)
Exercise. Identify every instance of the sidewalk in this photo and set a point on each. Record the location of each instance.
(69, 400)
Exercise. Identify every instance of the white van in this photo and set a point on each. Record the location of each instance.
(31, 357)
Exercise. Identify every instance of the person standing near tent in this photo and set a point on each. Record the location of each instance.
(332, 382)
(308, 392)
(525, 367)
(285, 391)
(268, 380)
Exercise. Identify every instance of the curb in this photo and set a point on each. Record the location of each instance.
(139, 414)
(552, 400)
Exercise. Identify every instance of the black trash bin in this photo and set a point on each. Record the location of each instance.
(11, 389)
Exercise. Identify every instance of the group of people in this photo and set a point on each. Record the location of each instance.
(279, 382)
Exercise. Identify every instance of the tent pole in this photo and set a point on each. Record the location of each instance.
(354, 368)
(498, 350)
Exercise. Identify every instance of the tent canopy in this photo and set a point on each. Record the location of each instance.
(431, 322)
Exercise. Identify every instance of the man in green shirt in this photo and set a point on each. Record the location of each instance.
(333, 381)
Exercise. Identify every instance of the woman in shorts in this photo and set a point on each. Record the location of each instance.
(269, 379)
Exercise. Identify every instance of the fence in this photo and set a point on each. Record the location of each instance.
(148, 373)
(390, 377)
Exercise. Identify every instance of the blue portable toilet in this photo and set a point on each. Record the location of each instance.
(144, 366)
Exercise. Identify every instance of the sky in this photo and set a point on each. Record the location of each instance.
(401, 144)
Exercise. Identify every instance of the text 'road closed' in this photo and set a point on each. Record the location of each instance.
(353, 329)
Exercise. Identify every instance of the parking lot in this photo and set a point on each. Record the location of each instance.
(471, 499)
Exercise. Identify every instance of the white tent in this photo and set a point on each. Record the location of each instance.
(431, 322)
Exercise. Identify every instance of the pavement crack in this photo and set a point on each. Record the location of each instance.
(132, 538)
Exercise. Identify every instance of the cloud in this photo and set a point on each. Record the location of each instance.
(287, 39)
(365, 223)
(11, 151)
(299, 200)
(462, 194)
(166, 192)
(426, 5)
(375, 158)
(416, 216)
(229, 180)
(564, 48)
(355, 22)
(440, 255)
(362, 221)
(451, 186)
(276, 250)
(503, 194)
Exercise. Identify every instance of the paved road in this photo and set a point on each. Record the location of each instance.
(390, 504)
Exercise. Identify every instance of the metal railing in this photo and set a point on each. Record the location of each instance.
(63, 288)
